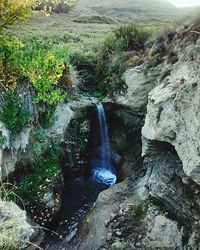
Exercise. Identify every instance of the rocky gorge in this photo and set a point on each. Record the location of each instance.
(158, 206)
(154, 135)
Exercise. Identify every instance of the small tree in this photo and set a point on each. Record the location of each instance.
(12, 11)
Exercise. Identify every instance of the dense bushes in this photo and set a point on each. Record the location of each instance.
(111, 64)
(101, 69)
(13, 115)
(85, 62)
(131, 36)
(40, 61)
(46, 166)
(15, 10)
(19, 10)
(43, 63)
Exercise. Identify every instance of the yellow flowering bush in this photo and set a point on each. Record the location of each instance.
(43, 64)
(39, 61)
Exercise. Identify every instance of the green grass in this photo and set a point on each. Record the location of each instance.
(60, 29)
(138, 211)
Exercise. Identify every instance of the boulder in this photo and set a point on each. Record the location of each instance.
(15, 232)
(139, 84)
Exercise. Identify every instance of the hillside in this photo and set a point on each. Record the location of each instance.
(129, 9)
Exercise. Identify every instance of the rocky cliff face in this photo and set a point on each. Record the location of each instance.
(173, 107)
(162, 208)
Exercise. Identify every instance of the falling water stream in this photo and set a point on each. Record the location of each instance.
(80, 194)
(102, 169)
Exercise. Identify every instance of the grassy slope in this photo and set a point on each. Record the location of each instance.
(70, 27)
(59, 27)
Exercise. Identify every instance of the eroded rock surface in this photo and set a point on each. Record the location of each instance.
(173, 109)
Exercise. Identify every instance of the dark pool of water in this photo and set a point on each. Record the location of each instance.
(79, 196)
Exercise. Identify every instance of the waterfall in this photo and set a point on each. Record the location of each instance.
(105, 145)
(102, 169)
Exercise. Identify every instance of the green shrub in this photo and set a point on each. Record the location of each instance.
(114, 81)
(99, 95)
(40, 144)
(41, 61)
(2, 140)
(58, 6)
(111, 61)
(110, 45)
(132, 37)
(138, 211)
(13, 115)
(40, 135)
(86, 64)
(32, 186)
(110, 71)
(9, 48)
(101, 70)
(47, 118)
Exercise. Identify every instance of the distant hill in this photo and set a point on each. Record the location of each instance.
(129, 9)
(91, 20)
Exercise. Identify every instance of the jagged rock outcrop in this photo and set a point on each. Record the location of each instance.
(139, 83)
(173, 107)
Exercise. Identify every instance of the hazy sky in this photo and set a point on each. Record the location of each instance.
(184, 3)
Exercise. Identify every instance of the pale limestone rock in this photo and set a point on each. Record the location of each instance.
(163, 234)
(21, 141)
(139, 85)
(10, 148)
(13, 149)
(173, 113)
(63, 116)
